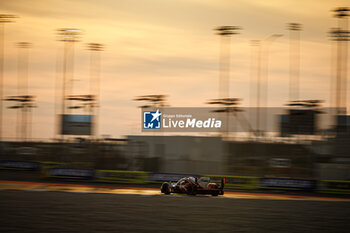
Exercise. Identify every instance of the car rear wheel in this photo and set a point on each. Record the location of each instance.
(191, 190)
(165, 189)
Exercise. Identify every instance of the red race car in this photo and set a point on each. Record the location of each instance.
(193, 186)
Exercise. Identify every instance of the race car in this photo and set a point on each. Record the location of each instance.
(193, 186)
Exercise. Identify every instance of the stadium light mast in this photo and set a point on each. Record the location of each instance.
(225, 32)
(152, 101)
(262, 77)
(95, 67)
(155, 101)
(24, 102)
(4, 18)
(228, 105)
(22, 88)
(265, 54)
(257, 44)
(341, 35)
(294, 60)
(254, 67)
(69, 36)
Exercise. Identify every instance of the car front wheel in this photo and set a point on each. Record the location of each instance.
(165, 189)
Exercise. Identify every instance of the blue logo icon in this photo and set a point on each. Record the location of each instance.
(151, 120)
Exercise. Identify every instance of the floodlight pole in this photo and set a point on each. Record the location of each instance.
(262, 72)
(257, 43)
(225, 32)
(294, 60)
(68, 36)
(22, 88)
(341, 35)
(265, 66)
(4, 18)
(95, 66)
(155, 101)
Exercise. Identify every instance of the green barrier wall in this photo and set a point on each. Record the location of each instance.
(50, 163)
(113, 176)
(238, 182)
(334, 186)
(46, 165)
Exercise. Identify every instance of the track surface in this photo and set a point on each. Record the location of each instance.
(24, 211)
(31, 206)
(103, 189)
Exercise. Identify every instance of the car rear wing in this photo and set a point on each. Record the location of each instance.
(223, 180)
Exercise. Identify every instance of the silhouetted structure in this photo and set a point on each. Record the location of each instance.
(341, 35)
(24, 101)
(225, 32)
(4, 18)
(301, 118)
(152, 101)
(69, 36)
(294, 60)
(262, 78)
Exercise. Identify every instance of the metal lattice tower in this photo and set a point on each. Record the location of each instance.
(4, 18)
(225, 32)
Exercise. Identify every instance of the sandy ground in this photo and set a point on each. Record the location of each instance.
(28, 211)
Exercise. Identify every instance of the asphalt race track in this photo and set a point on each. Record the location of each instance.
(60, 211)
(29, 204)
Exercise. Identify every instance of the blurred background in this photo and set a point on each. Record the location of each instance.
(74, 74)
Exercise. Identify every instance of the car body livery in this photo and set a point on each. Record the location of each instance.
(193, 186)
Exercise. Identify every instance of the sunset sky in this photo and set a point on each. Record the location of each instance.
(162, 47)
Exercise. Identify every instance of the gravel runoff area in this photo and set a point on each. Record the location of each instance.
(28, 211)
